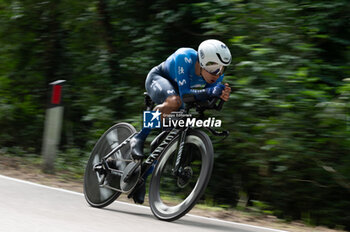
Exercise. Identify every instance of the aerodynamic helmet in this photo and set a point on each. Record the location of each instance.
(214, 56)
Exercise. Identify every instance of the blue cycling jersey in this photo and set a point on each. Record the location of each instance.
(180, 67)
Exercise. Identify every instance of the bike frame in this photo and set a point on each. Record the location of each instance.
(147, 164)
(175, 133)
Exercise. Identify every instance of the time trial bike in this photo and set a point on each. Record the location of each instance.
(182, 158)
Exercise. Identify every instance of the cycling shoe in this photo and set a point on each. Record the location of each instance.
(136, 146)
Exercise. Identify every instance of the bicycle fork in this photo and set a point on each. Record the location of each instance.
(178, 169)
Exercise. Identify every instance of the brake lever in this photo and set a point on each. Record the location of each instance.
(211, 103)
(220, 105)
(215, 106)
(223, 134)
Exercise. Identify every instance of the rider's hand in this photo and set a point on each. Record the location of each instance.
(226, 93)
(215, 91)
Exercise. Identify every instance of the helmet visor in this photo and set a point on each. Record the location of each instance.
(214, 68)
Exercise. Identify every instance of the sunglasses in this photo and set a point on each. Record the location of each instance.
(214, 69)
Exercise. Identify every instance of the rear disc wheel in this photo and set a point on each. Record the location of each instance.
(96, 195)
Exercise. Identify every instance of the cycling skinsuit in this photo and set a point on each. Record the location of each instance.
(176, 76)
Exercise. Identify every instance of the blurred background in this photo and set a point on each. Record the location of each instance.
(289, 113)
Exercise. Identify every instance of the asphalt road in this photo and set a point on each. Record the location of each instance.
(29, 207)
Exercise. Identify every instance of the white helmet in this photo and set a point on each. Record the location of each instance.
(213, 55)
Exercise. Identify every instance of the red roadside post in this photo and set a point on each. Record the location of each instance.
(53, 126)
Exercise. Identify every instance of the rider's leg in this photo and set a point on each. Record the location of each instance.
(139, 194)
(172, 103)
(163, 92)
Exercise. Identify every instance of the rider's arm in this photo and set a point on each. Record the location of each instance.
(205, 94)
(210, 90)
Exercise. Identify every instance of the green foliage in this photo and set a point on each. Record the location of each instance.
(288, 121)
(288, 114)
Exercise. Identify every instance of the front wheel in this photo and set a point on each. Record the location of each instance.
(170, 196)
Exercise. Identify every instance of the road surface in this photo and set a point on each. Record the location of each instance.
(29, 207)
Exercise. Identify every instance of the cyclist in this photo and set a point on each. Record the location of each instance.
(183, 71)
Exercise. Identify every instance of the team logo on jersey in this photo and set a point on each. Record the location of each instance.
(156, 85)
(181, 70)
(170, 91)
(188, 60)
(181, 83)
(151, 119)
(223, 46)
